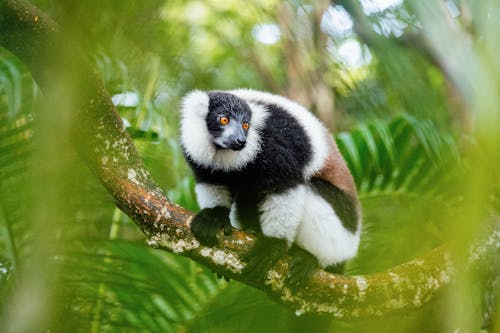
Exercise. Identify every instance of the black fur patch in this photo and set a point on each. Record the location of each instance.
(343, 204)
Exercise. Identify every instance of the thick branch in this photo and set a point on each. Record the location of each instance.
(111, 154)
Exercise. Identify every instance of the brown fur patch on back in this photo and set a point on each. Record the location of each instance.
(336, 172)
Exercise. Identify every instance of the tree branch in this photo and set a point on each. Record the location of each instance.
(110, 153)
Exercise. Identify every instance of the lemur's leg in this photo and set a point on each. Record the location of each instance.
(323, 233)
(215, 202)
(280, 216)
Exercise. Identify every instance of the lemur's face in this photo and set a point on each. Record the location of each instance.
(228, 121)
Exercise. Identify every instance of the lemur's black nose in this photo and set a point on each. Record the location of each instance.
(238, 144)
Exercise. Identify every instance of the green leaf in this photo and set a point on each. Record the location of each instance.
(398, 156)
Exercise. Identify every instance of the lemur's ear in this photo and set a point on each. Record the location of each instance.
(196, 102)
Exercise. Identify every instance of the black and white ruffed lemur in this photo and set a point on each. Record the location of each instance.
(266, 164)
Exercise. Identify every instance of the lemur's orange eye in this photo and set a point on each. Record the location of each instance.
(224, 120)
(245, 126)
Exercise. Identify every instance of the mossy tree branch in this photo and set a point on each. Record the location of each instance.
(110, 153)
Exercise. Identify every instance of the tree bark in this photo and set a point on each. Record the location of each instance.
(110, 153)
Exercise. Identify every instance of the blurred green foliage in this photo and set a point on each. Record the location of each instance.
(423, 152)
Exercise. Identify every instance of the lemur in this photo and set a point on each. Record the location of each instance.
(265, 163)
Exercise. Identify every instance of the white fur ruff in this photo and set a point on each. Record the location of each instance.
(196, 139)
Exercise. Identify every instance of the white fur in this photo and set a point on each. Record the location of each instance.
(302, 216)
(281, 213)
(196, 140)
(322, 233)
(209, 195)
(233, 216)
(314, 129)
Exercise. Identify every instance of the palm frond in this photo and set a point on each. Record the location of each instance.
(402, 169)
(133, 286)
(402, 156)
(17, 94)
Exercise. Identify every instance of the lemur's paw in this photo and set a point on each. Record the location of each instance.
(336, 269)
(208, 222)
(263, 256)
(301, 266)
